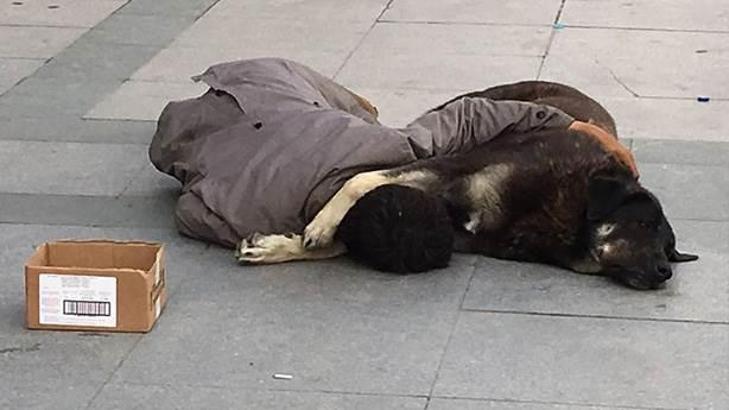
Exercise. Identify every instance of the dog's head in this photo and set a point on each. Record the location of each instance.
(630, 238)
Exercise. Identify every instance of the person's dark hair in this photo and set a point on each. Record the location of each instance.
(398, 229)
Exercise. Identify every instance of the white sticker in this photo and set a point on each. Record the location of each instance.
(77, 300)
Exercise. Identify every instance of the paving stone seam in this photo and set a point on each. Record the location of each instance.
(14, 25)
(361, 40)
(113, 372)
(25, 58)
(552, 35)
(204, 11)
(692, 165)
(170, 226)
(272, 389)
(594, 316)
(679, 98)
(560, 403)
(461, 23)
(383, 394)
(84, 142)
(452, 331)
(652, 29)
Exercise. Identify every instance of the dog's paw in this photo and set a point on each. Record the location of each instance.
(319, 234)
(260, 249)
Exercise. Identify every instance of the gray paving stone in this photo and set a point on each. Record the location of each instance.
(151, 182)
(475, 11)
(179, 63)
(46, 98)
(650, 63)
(127, 396)
(689, 191)
(400, 56)
(215, 39)
(317, 10)
(682, 152)
(654, 14)
(153, 29)
(167, 7)
(44, 370)
(87, 59)
(467, 72)
(696, 293)
(274, 34)
(449, 40)
(74, 81)
(333, 325)
(125, 211)
(36, 42)
(143, 100)
(72, 13)
(70, 129)
(471, 404)
(12, 70)
(646, 118)
(92, 67)
(398, 107)
(587, 361)
(69, 168)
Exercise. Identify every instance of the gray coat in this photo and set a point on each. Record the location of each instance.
(272, 140)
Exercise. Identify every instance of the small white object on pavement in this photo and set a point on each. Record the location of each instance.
(283, 376)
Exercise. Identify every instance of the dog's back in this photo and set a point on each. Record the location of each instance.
(566, 98)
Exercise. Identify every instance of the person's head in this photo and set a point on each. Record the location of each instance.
(398, 229)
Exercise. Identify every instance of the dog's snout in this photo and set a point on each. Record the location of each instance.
(664, 271)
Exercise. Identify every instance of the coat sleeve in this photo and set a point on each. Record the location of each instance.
(196, 220)
(468, 122)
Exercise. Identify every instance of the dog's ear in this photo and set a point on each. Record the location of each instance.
(605, 193)
(672, 254)
(676, 256)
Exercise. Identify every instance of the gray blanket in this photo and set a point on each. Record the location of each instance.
(272, 140)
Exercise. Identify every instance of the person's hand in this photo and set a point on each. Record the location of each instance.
(609, 142)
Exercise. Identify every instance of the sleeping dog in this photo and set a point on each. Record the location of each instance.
(560, 197)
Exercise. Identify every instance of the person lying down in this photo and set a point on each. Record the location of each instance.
(271, 141)
(274, 156)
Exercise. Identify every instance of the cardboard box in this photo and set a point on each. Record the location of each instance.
(98, 285)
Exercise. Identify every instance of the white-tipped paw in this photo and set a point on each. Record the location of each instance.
(263, 249)
(319, 234)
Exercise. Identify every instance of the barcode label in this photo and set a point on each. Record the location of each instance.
(77, 300)
(86, 308)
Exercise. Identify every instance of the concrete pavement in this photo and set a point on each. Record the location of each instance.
(82, 81)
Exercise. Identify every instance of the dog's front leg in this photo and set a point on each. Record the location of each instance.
(320, 231)
(267, 249)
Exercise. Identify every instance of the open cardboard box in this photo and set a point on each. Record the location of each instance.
(95, 285)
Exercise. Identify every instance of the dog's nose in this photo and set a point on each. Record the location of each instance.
(664, 271)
